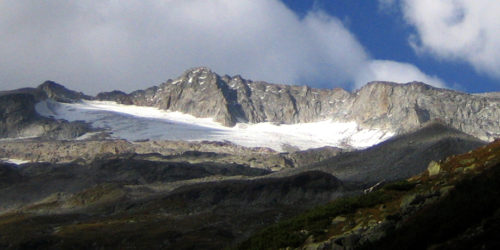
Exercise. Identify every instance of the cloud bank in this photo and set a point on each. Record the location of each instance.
(383, 70)
(456, 30)
(95, 46)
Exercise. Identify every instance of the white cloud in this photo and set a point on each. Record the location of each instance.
(465, 30)
(102, 45)
(95, 46)
(382, 70)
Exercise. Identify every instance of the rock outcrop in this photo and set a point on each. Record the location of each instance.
(398, 108)
(228, 100)
(60, 93)
(116, 95)
(404, 107)
(18, 117)
(383, 105)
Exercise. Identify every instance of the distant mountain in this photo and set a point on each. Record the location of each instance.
(181, 182)
(18, 117)
(389, 107)
(384, 105)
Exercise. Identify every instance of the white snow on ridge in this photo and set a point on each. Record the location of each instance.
(14, 161)
(138, 123)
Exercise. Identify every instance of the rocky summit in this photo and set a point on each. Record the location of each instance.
(382, 105)
(386, 106)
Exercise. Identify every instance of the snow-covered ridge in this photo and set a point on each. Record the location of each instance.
(139, 123)
(14, 161)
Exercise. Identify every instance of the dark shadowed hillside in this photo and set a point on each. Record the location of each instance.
(454, 204)
(399, 157)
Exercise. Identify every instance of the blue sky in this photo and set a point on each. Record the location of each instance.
(384, 33)
(96, 45)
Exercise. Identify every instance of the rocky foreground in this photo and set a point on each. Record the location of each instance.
(454, 204)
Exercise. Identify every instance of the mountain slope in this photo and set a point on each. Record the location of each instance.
(147, 123)
(454, 204)
(18, 117)
(383, 105)
(397, 158)
(35, 181)
(122, 211)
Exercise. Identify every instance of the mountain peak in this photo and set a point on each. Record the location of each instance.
(198, 71)
(51, 84)
(377, 105)
(395, 84)
(60, 93)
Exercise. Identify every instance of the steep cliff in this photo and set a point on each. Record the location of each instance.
(383, 105)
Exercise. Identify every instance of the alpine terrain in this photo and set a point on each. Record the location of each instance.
(208, 161)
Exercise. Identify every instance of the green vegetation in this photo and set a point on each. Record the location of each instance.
(456, 208)
(474, 200)
(293, 232)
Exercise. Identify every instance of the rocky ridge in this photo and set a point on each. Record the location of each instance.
(148, 204)
(383, 105)
(398, 108)
(65, 151)
(18, 117)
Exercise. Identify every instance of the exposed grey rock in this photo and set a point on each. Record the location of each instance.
(398, 108)
(18, 117)
(403, 108)
(116, 95)
(60, 93)
(434, 168)
(16, 110)
(495, 95)
(383, 105)
(228, 100)
(57, 151)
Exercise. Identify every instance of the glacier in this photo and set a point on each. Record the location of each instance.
(135, 123)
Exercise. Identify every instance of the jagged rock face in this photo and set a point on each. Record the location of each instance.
(263, 102)
(200, 92)
(394, 107)
(18, 117)
(16, 110)
(60, 93)
(56, 151)
(115, 95)
(228, 100)
(402, 108)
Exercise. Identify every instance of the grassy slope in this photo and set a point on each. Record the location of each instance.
(474, 200)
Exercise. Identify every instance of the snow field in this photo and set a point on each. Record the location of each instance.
(138, 123)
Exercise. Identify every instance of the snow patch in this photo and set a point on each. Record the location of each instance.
(138, 123)
(14, 161)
